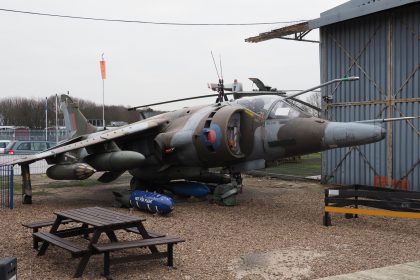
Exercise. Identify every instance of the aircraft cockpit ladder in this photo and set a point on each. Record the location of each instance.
(376, 201)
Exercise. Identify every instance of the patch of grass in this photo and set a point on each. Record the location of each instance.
(17, 187)
(52, 185)
(41, 193)
(81, 183)
(308, 165)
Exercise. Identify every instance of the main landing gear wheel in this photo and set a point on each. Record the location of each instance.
(137, 184)
(26, 199)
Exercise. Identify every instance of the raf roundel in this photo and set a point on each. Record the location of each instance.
(211, 137)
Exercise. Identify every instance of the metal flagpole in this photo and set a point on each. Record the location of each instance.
(56, 118)
(46, 118)
(103, 75)
(103, 102)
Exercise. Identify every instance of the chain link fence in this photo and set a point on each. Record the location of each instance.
(33, 134)
(6, 187)
(38, 167)
(26, 134)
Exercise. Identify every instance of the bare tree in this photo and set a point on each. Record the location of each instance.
(315, 100)
(19, 111)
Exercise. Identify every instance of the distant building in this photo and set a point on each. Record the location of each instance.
(117, 123)
(96, 122)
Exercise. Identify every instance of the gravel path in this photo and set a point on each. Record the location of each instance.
(275, 232)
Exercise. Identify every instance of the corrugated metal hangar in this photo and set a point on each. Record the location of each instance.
(379, 41)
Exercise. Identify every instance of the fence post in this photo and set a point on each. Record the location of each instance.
(327, 215)
(2, 191)
(6, 186)
(11, 187)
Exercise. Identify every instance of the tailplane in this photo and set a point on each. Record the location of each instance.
(76, 123)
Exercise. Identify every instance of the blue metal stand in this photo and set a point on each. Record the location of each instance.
(6, 187)
(11, 187)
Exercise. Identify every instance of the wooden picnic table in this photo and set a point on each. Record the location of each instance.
(96, 221)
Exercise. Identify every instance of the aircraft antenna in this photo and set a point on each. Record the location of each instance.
(221, 69)
(215, 66)
(222, 80)
(220, 87)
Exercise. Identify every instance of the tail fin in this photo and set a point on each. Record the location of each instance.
(76, 123)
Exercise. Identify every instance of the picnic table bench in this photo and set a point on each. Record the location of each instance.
(75, 249)
(35, 226)
(115, 246)
(150, 233)
(96, 221)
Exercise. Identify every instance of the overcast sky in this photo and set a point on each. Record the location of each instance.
(41, 56)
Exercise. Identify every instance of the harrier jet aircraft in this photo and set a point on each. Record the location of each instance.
(239, 135)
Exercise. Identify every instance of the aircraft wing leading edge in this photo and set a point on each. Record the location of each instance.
(93, 139)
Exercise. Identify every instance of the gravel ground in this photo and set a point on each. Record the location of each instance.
(275, 232)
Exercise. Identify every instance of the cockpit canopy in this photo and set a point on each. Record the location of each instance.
(272, 107)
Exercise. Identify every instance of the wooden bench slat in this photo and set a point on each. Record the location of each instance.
(134, 258)
(98, 217)
(137, 243)
(95, 215)
(60, 242)
(45, 223)
(152, 234)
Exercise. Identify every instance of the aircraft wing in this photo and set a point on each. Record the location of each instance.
(91, 139)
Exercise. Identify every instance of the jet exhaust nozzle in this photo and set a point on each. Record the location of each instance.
(75, 171)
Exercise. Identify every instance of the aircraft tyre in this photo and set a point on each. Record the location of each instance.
(135, 184)
(139, 185)
(26, 199)
(225, 195)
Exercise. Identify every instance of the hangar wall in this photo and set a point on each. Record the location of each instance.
(383, 49)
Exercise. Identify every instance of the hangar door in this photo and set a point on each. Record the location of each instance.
(384, 51)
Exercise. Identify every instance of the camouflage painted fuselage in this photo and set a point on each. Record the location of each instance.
(240, 135)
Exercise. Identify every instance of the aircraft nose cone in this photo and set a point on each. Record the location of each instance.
(352, 134)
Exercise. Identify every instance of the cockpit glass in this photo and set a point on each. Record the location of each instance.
(285, 110)
(258, 104)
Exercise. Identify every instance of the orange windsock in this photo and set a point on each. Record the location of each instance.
(103, 69)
